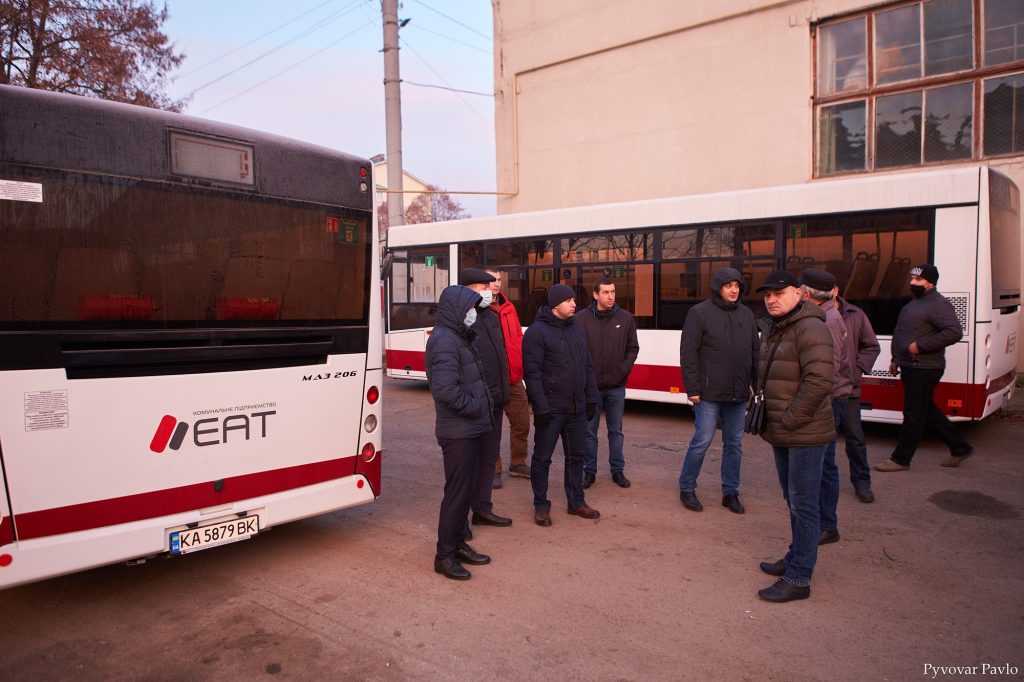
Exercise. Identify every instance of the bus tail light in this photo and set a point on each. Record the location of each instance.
(370, 423)
(373, 395)
(368, 452)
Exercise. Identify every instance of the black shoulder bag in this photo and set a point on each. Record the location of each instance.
(756, 410)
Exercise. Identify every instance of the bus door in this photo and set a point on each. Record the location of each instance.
(418, 276)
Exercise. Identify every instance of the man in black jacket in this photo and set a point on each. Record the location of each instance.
(924, 328)
(465, 418)
(611, 338)
(562, 389)
(718, 355)
(489, 343)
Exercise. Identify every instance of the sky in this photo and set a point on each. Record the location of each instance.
(313, 70)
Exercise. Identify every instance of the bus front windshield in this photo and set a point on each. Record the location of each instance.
(101, 251)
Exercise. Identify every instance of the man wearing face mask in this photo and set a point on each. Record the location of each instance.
(489, 343)
(925, 327)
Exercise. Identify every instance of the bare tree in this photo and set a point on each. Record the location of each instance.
(426, 208)
(111, 49)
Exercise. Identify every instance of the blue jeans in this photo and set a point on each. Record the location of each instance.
(829, 498)
(799, 471)
(572, 428)
(856, 445)
(613, 403)
(707, 414)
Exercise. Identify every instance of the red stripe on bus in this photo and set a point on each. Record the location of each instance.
(666, 378)
(163, 434)
(960, 400)
(6, 531)
(113, 511)
(406, 360)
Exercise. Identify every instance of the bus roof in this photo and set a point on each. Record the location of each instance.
(945, 187)
(72, 132)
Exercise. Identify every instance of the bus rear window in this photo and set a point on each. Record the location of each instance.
(122, 252)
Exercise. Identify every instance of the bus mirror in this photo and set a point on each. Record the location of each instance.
(385, 266)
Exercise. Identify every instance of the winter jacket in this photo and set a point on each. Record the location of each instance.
(861, 342)
(513, 332)
(611, 338)
(932, 322)
(557, 367)
(843, 385)
(489, 344)
(455, 374)
(798, 393)
(718, 346)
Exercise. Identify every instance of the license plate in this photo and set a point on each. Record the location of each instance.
(214, 534)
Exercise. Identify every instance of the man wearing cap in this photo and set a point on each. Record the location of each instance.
(718, 356)
(611, 338)
(797, 370)
(489, 345)
(518, 408)
(862, 346)
(562, 388)
(819, 287)
(925, 326)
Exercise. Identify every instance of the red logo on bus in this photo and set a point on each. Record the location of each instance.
(211, 431)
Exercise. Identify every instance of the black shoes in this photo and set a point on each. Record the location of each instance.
(451, 569)
(783, 591)
(827, 537)
(690, 501)
(542, 517)
(519, 470)
(732, 502)
(468, 555)
(777, 568)
(620, 479)
(864, 494)
(490, 519)
(588, 479)
(584, 511)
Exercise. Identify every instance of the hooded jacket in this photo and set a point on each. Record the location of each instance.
(932, 322)
(718, 346)
(611, 338)
(462, 401)
(798, 391)
(557, 367)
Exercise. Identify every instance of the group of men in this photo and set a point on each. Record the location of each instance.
(806, 359)
(479, 363)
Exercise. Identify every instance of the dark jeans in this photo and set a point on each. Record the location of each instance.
(828, 501)
(572, 428)
(490, 454)
(462, 465)
(612, 402)
(920, 414)
(856, 445)
(799, 470)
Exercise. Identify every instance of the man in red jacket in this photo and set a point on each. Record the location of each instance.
(518, 408)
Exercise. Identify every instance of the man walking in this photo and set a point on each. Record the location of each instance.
(563, 393)
(798, 371)
(518, 408)
(465, 420)
(611, 338)
(819, 287)
(862, 346)
(489, 345)
(718, 356)
(925, 326)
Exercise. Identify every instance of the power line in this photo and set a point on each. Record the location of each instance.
(456, 21)
(289, 68)
(259, 37)
(454, 40)
(442, 78)
(442, 87)
(329, 19)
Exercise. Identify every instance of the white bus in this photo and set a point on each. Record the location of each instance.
(190, 334)
(868, 231)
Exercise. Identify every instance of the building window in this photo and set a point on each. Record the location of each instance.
(895, 86)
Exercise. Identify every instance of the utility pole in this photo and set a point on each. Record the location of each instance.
(393, 112)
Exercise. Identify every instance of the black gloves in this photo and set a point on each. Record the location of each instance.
(541, 419)
(591, 410)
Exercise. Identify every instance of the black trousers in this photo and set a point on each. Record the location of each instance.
(921, 414)
(463, 462)
(490, 451)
